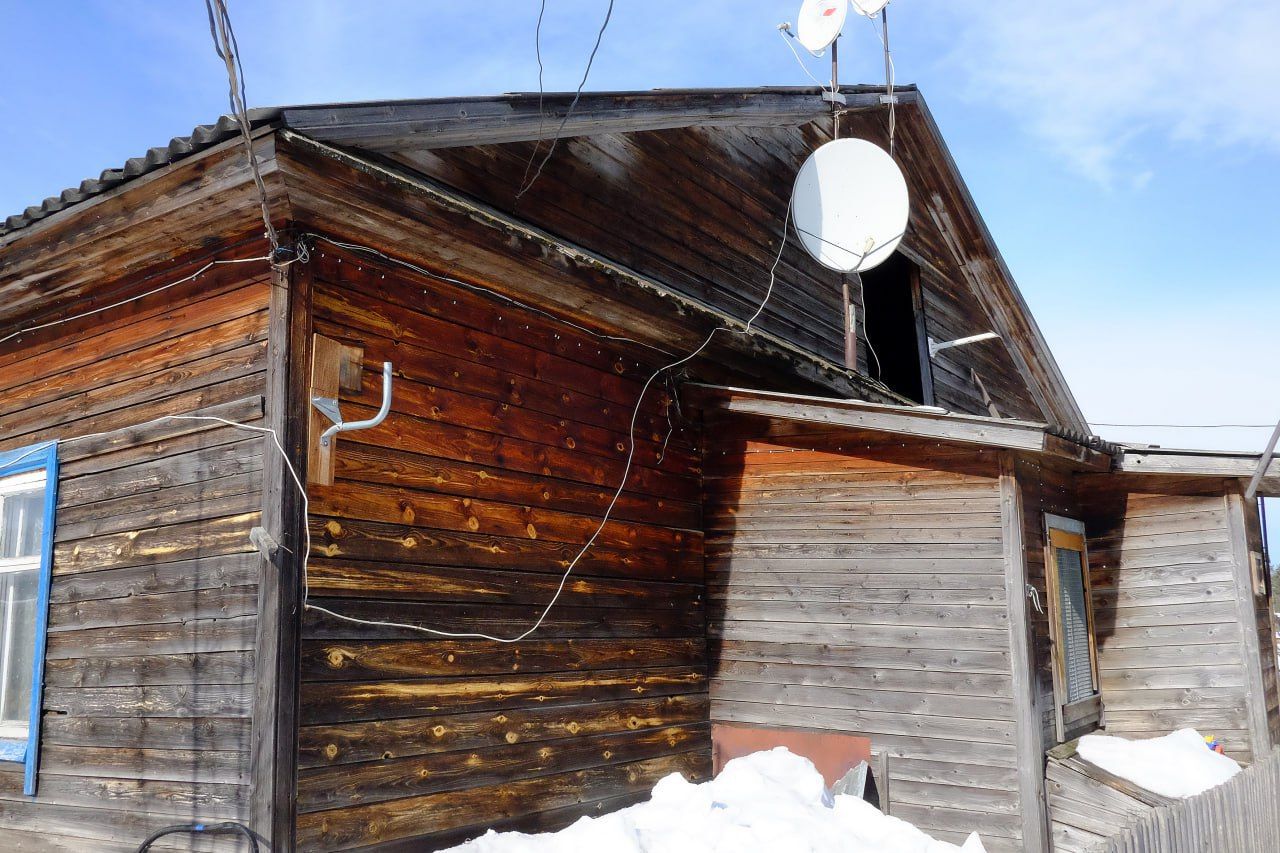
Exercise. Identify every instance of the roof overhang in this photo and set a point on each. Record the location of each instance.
(1200, 463)
(924, 422)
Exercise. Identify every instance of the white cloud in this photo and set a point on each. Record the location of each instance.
(1095, 79)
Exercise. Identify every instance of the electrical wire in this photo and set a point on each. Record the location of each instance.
(555, 140)
(201, 828)
(866, 334)
(1185, 426)
(537, 50)
(890, 73)
(803, 67)
(204, 269)
(228, 50)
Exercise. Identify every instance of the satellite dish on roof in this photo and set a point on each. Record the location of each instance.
(870, 8)
(820, 23)
(850, 205)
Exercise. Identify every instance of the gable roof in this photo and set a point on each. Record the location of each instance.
(412, 132)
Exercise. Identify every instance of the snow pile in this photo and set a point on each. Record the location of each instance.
(769, 802)
(1176, 765)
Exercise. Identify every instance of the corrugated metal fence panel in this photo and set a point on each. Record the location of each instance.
(1241, 815)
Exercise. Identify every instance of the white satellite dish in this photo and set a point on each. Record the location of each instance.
(820, 23)
(870, 8)
(850, 205)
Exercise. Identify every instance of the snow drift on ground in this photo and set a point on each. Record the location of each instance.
(769, 802)
(1176, 765)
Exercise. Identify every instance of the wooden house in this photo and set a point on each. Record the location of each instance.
(850, 533)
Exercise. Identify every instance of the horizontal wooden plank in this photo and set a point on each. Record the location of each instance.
(393, 467)
(354, 701)
(345, 743)
(217, 635)
(213, 668)
(889, 635)
(432, 813)
(881, 701)
(378, 542)
(935, 680)
(231, 570)
(853, 654)
(213, 603)
(429, 658)
(499, 620)
(219, 734)
(339, 579)
(397, 778)
(203, 538)
(184, 700)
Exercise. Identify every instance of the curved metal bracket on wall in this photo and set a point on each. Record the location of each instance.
(329, 408)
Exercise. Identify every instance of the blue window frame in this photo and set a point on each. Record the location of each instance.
(28, 498)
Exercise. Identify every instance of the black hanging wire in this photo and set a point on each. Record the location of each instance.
(555, 140)
(226, 827)
(542, 118)
(224, 44)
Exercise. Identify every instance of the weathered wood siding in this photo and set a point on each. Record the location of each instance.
(1085, 810)
(506, 437)
(1166, 582)
(858, 585)
(150, 659)
(701, 210)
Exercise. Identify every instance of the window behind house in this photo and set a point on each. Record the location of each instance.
(893, 325)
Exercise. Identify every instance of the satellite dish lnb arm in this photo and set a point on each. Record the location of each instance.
(383, 410)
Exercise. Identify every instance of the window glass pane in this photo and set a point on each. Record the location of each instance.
(1075, 625)
(20, 630)
(21, 523)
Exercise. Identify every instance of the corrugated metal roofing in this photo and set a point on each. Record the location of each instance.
(179, 147)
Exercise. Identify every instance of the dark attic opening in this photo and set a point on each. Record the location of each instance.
(893, 324)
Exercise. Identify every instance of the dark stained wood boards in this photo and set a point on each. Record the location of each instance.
(507, 435)
(150, 658)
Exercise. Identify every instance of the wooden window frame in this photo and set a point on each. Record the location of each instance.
(24, 461)
(1061, 533)
(922, 338)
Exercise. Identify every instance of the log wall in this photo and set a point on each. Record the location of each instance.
(1167, 585)
(150, 665)
(858, 585)
(507, 434)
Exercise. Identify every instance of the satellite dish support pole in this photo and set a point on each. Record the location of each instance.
(834, 96)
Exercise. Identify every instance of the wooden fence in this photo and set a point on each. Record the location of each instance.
(1240, 816)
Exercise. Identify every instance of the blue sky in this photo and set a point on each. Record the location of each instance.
(1126, 156)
